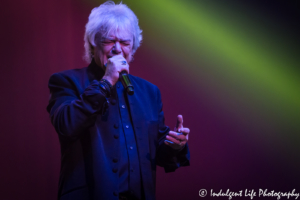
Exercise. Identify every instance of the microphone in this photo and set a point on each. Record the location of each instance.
(126, 82)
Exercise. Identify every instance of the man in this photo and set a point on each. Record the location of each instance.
(110, 141)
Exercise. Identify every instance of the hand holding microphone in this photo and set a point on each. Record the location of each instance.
(118, 68)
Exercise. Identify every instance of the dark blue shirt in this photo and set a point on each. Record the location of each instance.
(129, 166)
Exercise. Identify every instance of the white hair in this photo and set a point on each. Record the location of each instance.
(108, 18)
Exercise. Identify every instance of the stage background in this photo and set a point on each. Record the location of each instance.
(231, 68)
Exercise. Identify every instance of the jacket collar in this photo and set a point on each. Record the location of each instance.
(95, 71)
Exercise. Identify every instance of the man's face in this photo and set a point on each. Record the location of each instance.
(118, 43)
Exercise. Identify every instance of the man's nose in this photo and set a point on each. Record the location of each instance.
(117, 48)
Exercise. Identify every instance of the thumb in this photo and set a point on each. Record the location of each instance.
(179, 124)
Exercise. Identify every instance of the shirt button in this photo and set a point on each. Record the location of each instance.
(130, 148)
(116, 126)
(115, 170)
(118, 85)
(116, 136)
(127, 126)
(115, 160)
(131, 169)
(123, 106)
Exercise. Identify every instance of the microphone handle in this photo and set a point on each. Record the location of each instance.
(126, 82)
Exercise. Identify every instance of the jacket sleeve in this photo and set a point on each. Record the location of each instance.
(71, 113)
(166, 156)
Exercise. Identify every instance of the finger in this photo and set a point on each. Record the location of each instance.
(169, 142)
(179, 123)
(174, 140)
(175, 133)
(122, 64)
(173, 145)
(119, 63)
(118, 59)
(177, 136)
(123, 68)
(185, 131)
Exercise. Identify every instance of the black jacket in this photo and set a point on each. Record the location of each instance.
(88, 130)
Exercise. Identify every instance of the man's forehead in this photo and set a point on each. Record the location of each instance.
(121, 35)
